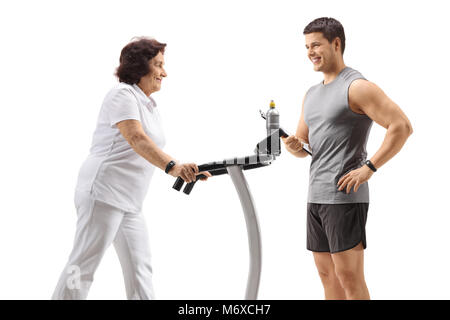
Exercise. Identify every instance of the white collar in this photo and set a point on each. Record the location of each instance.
(147, 101)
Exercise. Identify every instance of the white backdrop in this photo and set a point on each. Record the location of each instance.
(225, 61)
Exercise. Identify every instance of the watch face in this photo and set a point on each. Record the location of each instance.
(371, 166)
(169, 166)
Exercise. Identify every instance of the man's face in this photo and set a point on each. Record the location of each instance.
(320, 51)
(157, 72)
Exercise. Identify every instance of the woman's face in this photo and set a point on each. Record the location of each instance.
(152, 81)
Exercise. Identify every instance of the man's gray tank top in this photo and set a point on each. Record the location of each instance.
(337, 137)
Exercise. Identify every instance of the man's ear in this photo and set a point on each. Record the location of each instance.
(337, 43)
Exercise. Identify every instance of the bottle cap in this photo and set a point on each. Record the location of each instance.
(272, 104)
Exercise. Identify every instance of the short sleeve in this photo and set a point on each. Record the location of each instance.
(122, 105)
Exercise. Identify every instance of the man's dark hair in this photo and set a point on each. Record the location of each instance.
(134, 59)
(330, 28)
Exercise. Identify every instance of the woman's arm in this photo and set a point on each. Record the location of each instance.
(133, 132)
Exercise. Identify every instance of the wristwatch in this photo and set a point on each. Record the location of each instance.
(371, 166)
(169, 166)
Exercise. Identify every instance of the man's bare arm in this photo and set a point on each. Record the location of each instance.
(294, 143)
(368, 98)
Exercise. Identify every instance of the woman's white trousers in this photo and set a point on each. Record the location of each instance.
(99, 225)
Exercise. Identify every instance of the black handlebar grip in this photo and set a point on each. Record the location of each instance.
(188, 188)
(190, 185)
(178, 184)
(308, 152)
(283, 133)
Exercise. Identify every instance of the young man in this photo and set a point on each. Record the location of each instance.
(335, 121)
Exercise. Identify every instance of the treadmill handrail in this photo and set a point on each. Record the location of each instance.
(219, 168)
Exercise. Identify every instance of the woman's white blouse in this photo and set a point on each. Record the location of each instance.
(113, 172)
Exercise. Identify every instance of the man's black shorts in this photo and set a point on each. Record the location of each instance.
(336, 227)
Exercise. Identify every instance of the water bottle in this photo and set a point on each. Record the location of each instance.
(272, 119)
(272, 126)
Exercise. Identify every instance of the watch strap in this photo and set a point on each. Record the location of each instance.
(169, 166)
(371, 166)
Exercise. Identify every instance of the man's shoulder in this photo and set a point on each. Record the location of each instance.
(362, 92)
(351, 74)
(361, 86)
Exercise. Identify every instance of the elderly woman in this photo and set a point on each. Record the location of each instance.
(114, 179)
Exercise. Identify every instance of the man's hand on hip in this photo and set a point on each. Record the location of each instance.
(355, 178)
